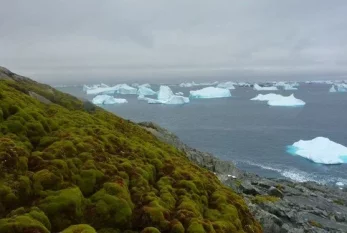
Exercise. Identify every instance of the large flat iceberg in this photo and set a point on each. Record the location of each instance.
(259, 88)
(210, 92)
(267, 97)
(106, 99)
(320, 150)
(166, 96)
(286, 101)
(279, 100)
(119, 88)
(227, 85)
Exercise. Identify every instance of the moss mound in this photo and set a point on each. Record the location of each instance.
(64, 162)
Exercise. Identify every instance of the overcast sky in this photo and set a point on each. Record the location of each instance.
(79, 41)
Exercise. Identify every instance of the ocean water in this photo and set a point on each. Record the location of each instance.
(251, 134)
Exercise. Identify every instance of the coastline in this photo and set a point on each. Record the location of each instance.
(280, 205)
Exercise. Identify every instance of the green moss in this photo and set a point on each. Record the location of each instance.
(20, 224)
(110, 210)
(177, 227)
(64, 207)
(264, 198)
(44, 180)
(196, 227)
(88, 181)
(81, 228)
(339, 201)
(150, 230)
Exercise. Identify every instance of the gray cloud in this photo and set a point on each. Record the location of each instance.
(62, 41)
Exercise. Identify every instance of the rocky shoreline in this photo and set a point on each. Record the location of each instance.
(280, 205)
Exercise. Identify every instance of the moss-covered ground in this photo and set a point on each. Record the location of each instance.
(72, 167)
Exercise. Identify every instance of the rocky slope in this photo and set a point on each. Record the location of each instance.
(279, 205)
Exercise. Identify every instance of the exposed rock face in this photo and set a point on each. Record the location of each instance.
(281, 206)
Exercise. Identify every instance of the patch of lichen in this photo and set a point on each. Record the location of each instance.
(80, 166)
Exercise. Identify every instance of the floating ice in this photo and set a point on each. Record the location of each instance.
(142, 97)
(332, 89)
(286, 101)
(106, 99)
(119, 88)
(243, 84)
(320, 150)
(166, 96)
(341, 87)
(179, 93)
(259, 88)
(144, 90)
(267, 97)
(95, 86)
(289, 87)
(227, 85)
(210, 92)
(125, 89)
(279, 100)
(192, 84)
(102, 90)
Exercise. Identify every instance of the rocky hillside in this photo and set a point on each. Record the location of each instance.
(68, 166)
(281, 206)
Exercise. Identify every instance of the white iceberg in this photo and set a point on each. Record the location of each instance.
(106, 99)
(119, 88)
(259, 88)
(102, 90)
(193, 84)
(142, 97)
(227, 85)
(95, 86)
(166, 96)
(267, 97)
(289, 87)
(210, 92)
(188, 84)
(341, 87)
(279, 100)
(332, 89)
(320, 150)
(286, 101)
(144, 90)
(243, 84)
(125, 89)
(179, 93)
